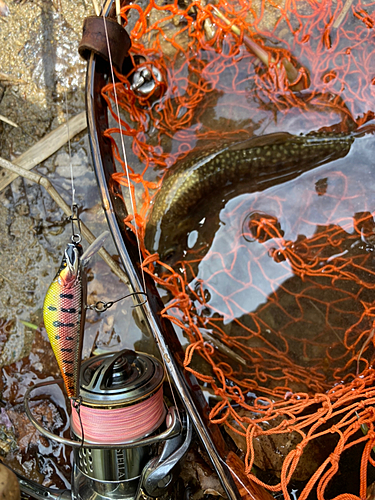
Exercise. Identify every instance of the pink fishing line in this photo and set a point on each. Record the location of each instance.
(119, 425)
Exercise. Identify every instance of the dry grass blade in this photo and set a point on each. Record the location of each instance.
(342, 14)
(118, 8)
(9, 122)
(96, 7)
(46, 147)
(86, 233)
(224, 349)
(292, 73)
(367, 341)
(257, 50)
(11, 79)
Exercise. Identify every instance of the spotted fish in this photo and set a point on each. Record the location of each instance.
(258, 163)
(64, 311)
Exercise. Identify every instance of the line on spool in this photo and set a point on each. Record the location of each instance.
(120, 425)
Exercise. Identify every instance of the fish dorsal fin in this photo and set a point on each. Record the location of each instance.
(263, 140)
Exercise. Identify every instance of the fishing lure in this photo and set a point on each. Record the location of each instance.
(64, 311)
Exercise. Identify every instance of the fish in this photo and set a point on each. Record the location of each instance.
(260, 162)
(64, 311)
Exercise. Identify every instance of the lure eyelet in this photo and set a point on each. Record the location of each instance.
(76, 238)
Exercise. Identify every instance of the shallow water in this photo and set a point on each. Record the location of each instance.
(233, 249)
(238, 278)
(284, 277)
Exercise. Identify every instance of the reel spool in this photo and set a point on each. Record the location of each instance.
(122, 398)
(122, 401)
(123, 417)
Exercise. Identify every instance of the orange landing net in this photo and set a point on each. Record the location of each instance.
(298, 368)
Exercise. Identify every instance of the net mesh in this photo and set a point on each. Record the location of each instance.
(277, 304)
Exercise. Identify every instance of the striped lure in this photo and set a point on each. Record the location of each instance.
(64, 311)
(64, 316)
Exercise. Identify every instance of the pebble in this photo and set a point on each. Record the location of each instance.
(9, 488)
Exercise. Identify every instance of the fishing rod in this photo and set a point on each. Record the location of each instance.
(161, 329)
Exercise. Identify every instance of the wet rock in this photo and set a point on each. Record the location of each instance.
(271, 450)
(40, 364)
(15, 341)
(79, 162)
(9, 488)
(198, 477)
(28, 468)
(20, 255)
(370, 492)
(7, 437)
(171, 28)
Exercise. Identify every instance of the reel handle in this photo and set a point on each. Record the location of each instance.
(159, 473)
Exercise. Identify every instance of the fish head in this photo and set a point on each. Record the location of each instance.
(70, 266)
(167, 241)
(179, 241)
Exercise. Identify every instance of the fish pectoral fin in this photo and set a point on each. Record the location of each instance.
(264, 140)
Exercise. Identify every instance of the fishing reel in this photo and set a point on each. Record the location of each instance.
(126, 443)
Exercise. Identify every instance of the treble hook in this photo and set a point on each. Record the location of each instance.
(76, 237)
(102, 306)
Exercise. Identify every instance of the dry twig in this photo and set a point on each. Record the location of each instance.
(46, 147)
(9, 122)
(87, 234)
(342, 14)
(292, 73)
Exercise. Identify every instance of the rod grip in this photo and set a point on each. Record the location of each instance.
(94, 39)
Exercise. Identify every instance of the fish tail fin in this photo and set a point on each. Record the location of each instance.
(365, 129)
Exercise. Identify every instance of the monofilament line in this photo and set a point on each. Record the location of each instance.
(131, 198)
(69, 149)
(123, 149)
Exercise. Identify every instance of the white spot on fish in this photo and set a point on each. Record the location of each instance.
(192, 238)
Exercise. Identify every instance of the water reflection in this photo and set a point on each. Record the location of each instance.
(285, 276)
